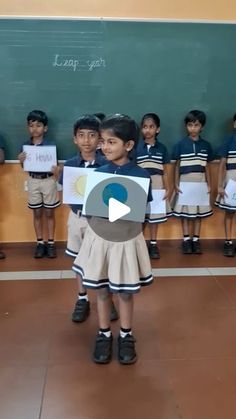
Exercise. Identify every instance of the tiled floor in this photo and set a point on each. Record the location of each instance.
(186, 341)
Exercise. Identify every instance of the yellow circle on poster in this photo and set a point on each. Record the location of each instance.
(80, 185)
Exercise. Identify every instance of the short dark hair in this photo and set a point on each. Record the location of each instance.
(122, 126)
(194, 116)
(234, 117)
(38, 116)
(87, 122)
(101, 116)
(152, 116)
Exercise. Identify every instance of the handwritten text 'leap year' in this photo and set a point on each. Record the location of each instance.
(76, 64)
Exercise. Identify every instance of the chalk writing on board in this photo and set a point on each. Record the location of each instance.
(74, 63)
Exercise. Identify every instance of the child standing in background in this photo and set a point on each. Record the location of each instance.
(2, 159)
(153, 156)
(191, 156)
(42, 188)
(227, 171)
(121, 267)
(101, 116)
(86, 138)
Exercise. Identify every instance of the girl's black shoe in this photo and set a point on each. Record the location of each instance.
(187, 247)
(196, 247)
(103, 349)
(126, 350)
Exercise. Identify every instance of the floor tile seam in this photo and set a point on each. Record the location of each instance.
(221, 287)
(200, 358)
(157, 272)
(203, 271)
(47, 365)
(28, 275)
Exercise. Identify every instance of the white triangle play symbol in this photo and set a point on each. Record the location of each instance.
(117, 210)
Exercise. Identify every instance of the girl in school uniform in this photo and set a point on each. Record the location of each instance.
(153, 156)
(227, 171)
(191, 156)
(122, 267)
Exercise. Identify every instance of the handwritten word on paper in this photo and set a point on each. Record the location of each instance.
(39, 158)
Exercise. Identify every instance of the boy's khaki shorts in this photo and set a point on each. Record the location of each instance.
(76, 226)
(42, 193)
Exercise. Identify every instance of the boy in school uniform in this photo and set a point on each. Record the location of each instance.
(86, 138)
(2, 159)
(42, 188)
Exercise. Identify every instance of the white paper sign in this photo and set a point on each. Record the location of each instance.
(230, 190)
(39, 158)
(157, 205)
(193, 193)
(74, 184)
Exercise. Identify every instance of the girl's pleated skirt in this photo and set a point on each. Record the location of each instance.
(122, 266)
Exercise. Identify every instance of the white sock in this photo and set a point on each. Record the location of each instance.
(83, 296)
(125, 332)
(105, 332)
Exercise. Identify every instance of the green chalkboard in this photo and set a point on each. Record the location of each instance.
(71, 67)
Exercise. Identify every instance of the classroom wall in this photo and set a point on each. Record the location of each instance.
(172, 9)
(15, 217)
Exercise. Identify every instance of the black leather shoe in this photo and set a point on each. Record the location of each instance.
(103, 349)
(196, 247)
(51, 251)
(81, 311)
(2, 255)
(126, 350)
(40, 251)
(187, 247)
(153, 251)
(228, 249)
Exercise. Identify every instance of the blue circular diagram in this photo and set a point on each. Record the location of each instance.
(116, 191)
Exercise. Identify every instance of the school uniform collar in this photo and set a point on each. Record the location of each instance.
(43, 142)
(98, 160)
(194, 141)
(124, 168)
(145, 145)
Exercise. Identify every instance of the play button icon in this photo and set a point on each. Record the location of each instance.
(115, 206)
(117, 210)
